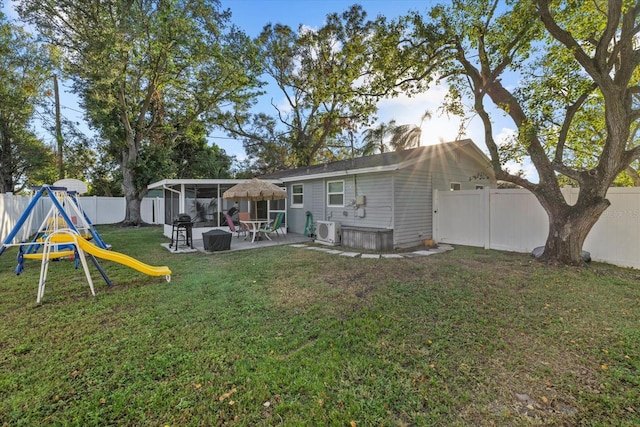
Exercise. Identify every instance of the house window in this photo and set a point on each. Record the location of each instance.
(479, 187)
(335, 193)
(455, 186)
(297, 196)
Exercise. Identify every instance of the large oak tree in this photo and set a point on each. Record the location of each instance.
(147, 71)
(323, 76)
(565, 73)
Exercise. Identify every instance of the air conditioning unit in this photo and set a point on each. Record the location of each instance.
(328, 232)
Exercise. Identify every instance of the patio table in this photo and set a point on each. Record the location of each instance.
(254, 226)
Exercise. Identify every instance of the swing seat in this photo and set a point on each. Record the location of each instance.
(52, 255)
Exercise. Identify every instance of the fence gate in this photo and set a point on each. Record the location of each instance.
(460, 217)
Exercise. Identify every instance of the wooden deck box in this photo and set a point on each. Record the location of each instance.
(375, 239)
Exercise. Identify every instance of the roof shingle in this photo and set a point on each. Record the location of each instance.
(376, 160)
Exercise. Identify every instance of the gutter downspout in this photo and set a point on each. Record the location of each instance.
(393, 206)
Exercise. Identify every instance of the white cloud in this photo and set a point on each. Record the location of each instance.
(505, 135)
(307, 29)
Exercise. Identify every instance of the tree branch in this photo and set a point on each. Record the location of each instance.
(568, 120)
(567, 39)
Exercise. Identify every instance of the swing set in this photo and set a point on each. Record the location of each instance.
(66, 232)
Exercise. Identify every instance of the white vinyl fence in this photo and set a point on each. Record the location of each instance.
(99, 210)
(513, 220)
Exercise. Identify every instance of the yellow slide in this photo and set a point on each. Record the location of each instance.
(123, 259)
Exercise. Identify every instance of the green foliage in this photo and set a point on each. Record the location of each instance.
(563, 115)
(374, 140)
(146, 71)
(288, 336)
(194, 158)
(323, 76)
(564, 72)
(25, 67)
(106, 176)
(80, 154)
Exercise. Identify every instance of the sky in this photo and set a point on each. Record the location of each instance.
(312, 13)
(252, 15)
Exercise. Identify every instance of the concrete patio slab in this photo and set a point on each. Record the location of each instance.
(240, 244)
(181, 249)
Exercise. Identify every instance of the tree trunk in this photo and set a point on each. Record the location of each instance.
(133, 216)
(132, 196)
(6, 164)
(569, 227)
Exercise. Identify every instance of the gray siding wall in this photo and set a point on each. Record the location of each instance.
(318, 199)
(454, 167)
(314, 196)
(295, 216)
(378, 208)
(340, 214)
(413, 206)
(400, 200)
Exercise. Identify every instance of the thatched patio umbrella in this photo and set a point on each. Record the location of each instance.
(255, 190)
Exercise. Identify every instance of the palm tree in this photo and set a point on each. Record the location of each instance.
(374, 138)
(399, 138)
(408, 136)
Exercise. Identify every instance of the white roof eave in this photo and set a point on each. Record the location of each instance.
(168, 182)
(335, 174)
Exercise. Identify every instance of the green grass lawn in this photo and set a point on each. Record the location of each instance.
(287, 336)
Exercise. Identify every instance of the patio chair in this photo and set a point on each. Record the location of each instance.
(233, 228)
(275, 226)
(244, 216)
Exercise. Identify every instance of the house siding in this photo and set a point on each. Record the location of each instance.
(377, 190)
(455, 167)
(342, 214)
(336, 213)
(313, 201)
(296, 217)
(398, 196)
(413, 203)
(317, 199)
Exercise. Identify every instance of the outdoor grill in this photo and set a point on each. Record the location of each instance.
(182, 223)
(183, 218)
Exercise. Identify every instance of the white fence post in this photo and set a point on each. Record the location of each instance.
(486, 212)
(436, 216)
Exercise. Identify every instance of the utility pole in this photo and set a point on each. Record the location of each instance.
(59, 138)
